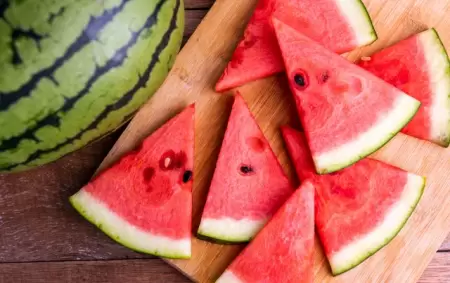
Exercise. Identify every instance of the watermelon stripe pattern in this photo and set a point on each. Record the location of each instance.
(39, 126)
(95, 25)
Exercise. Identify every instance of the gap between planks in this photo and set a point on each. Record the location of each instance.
(143, 270)
(198, 4)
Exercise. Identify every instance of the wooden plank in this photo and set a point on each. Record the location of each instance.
(438, 271)
(197, 69)
(37, 222)
(135, 271)
(198, 4)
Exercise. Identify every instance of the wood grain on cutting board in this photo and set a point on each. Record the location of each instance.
(196, 70)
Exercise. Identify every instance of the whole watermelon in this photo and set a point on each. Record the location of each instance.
(72, 71)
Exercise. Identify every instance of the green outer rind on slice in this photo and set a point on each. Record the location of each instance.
(436, 43)
(217, 241)
(347, 162)
(224, 230)
(82, 201)
(358, 259)
(221, 239)
(359, 20)
(374, 32)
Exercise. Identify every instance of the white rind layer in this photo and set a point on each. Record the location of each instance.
(228, 277)
(403, 110)
(125, 233)
(439, 72)
(359, 20)
(230, 230)
(360, 249)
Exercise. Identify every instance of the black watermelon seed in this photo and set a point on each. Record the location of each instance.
(245, 169)
(299, 80)
(187, 176)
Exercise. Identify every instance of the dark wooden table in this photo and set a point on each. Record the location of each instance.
(43, 239)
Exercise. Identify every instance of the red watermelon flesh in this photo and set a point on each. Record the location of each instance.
(419, 66)
(145, 200)
(283, 250)
(339, 25)
(347, 112)
(248, 185)
(359, 209)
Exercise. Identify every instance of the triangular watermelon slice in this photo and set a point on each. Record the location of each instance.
(359, 209)
(248, 185)
(419, 66)
(145, 200)
(339, 25)
(283, 251)
(346, 112)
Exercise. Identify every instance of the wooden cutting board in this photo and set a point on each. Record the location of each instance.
(196, 70)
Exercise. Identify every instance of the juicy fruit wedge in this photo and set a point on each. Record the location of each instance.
(359, 209)
(339, 25)
(145, 200)
(248, 185)
(419, 66)
(283, 250)
(300, 154)
(347, 113)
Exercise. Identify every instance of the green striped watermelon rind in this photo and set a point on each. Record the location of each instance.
(40, 136)
(359, 258)
(109, 223)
